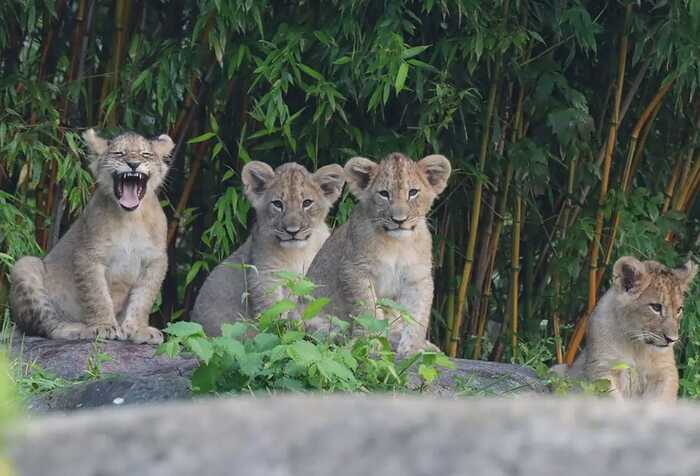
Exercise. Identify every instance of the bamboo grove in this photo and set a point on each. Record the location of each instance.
(572, 126)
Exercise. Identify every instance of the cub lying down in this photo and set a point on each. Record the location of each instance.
(385, 248)
(633, 329)
(291, 206)
(102, 277)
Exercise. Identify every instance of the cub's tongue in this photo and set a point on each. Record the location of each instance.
(130, 196)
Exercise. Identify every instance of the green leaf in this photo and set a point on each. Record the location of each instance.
(204, 137)
(427, 372)
(204, 379)
(265, 341)
(274, 311)
(171, 348)
(194, 270)
(304, 353)
(331, 369)
(228, 346)
(303, 287)
(292, 336)
(201, 348)
(401, 77)
(414, 51)
(441, 360)
(184, 329)
(314, 308)
(342, 60)
(234, 330)
(372, 324)
(311, 72)
(250, 364)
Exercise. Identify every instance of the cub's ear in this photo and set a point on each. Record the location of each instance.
(687, 273)
(96, 144)
(163, 145)
(359, 173)
(436, 169)
(331, 179)
(256, 177)
(630, 275)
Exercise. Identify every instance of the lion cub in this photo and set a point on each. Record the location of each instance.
(385, 248)
(102, 277)
(634, 327)
(291, 206)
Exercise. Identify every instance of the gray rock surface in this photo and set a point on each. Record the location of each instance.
(134, 374)
(69, 359)
(355, 435)
(114, 390)
(476, 377)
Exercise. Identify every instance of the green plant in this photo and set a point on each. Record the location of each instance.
(9, 409)
(277, 353)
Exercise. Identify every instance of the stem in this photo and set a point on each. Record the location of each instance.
(581, 325)
(515, 271)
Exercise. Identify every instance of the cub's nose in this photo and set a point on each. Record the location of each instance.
(670, 340)
(399, 219)
(133, 165)
(292, 229)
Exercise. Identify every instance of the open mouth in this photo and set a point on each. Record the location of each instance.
(129, 188)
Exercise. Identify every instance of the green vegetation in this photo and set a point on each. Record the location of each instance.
(277, 353)
(8, 410)
(572, 127)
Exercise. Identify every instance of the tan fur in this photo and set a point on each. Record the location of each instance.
(385, 248)
(102, 277)
(625, 329)
(232, 292)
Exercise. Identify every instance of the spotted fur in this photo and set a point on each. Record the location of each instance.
(291, 206)
(634, 327)
(385, 248)
(102, 277)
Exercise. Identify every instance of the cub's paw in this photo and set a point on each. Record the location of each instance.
(143, 335)
(103, 331)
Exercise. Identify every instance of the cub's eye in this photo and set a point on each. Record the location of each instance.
(278, 204)
(146, 155)
(118, 153)
(307, 203)
(413, 192)
(656, 307)
(384, 194)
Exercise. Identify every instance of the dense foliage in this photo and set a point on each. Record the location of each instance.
(275, 353)
(572, 127)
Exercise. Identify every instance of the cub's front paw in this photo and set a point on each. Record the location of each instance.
(143, 335)
(103, 331)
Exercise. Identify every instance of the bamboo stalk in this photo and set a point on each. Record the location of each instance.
(642, 122)
(515, 271)
(474, 216)
(581, 325)
(517, 134)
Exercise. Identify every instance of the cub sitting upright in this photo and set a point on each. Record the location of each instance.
(291, 206)
(633, 329)
(102, 277)
(385, 248)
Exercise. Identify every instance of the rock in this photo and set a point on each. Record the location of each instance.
(114, 390)
(351, 435)
(480, 378)
(135, 375)
(131, 374)
(69, 359)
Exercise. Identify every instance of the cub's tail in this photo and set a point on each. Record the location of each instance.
(30, 304)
